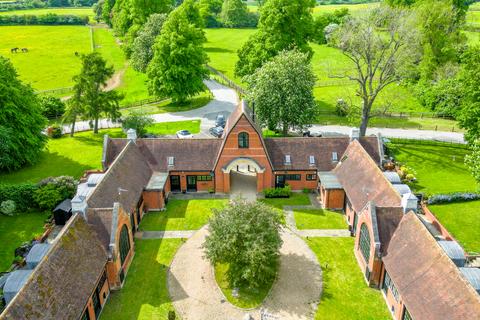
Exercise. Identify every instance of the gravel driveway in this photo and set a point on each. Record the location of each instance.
(294, 295)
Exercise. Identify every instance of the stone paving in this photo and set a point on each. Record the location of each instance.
(183, 234)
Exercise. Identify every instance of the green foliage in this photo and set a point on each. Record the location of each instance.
(21, 121)
(283, 92)
(235, 14)
(246, 236)
(178, 67)
(283, 24)
(284, 192)
(47, 197)
(8, 207)
(46, 19)
(326, 19)
(142, 48)
(52, 107)
(209, 11)
(400, 3)
(444, 97)
(137, 120)
(55, 131)
(472, 161)
(21, 194)
(89, 93)
(107, 11)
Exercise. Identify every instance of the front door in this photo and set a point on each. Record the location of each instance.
(279, 181)
(191, 183)
(175, 183)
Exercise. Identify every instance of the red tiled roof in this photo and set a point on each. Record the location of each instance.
(429, 283)
(363, 181)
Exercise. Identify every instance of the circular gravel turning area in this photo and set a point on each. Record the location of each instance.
(294, 295)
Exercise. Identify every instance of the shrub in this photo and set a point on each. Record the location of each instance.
(55, 131)
(453, 197)
(245, 235)
(306, 190)
(66, 185)
(341, 108)
(47, 197)
(52, 107)
(47, 19)
(21, 194)
(284, 192)
(137, 120)
(8, 207)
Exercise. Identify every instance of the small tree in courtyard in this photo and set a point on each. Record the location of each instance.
(282, 90)
(472, 161)
(245, 235)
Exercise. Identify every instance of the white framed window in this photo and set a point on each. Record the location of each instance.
(288, 159)
(171, 161)
(311, 160)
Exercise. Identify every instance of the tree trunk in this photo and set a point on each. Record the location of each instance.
(95, 126)
(72, 130)
(285, 130)
(365, 117)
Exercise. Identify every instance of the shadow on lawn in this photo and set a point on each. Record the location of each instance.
(218, 50)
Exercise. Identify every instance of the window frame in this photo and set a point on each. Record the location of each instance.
(124, 244)
(364, 242)
(293, 177)
(243, 140)
(312, 177)
(204, 178)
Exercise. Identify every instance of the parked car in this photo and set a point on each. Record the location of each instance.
(220, 121)
(216, 132)
(184, 134)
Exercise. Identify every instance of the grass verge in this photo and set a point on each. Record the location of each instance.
(319, 219)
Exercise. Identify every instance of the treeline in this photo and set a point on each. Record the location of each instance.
(36, 4)
(47, 19)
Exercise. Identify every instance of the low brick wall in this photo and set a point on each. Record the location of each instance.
(431, 217)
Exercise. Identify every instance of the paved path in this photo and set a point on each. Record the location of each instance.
(196, 296)
(182, 234)
(224, 101)
(444, 136)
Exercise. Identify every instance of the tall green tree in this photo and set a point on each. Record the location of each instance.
(472, 160)
(282, 90)
(142, 48)
(209, 11)
(235, 14)
(178, 66)
(89, 90)
(379, 57)
(21, 121)
(246, 236)
(283, 24)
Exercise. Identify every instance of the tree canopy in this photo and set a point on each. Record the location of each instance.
(178, 67)
(235, 14)
(283, 24)
(282, 90)
(246, 236)
(472, 161)
(209, 11)
(21, 121)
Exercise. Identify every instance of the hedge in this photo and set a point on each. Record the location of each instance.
(284, 192)
(46, 19)
(21, 194)
(453, 197)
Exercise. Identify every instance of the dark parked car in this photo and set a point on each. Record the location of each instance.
(220, 121)
(216, 132)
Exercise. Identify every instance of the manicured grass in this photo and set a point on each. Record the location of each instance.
(248, 297)
(16, 230)
(296, 199)
(181, 215)
(439, 167)
(82, 12)
(462, 220)
(345, 293)
(144, 295)
(72, 156)
(319, 219)
(51, 61)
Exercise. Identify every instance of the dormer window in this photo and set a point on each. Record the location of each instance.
(288, 160)
(334, 157)
(171, 161)
(311, 160)
(243, 140)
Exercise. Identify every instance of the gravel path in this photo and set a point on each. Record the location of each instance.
(294, 296)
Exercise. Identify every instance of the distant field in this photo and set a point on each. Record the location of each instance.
(354, 8)
(51, 61)
(60, 11)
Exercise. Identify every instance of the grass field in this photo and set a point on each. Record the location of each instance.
(181, 215)
(462, 220)
(353, 8)
(319, 219)
(51, 61)
(72, 156)
(16, 230)
(142, 298)
(345, 294)
(439, 167)
(60, 11)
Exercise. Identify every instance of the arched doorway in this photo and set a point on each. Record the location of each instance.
(244, 174)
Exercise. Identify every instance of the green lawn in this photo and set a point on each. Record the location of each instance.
(16, 230)
(248, 297)
(462, 220)
(345, 293)
(144, 295)
(319, 219)
(296, 199)
(51, 61)
(181, 215)
(439, 167)
(60, 11)
(72, 156)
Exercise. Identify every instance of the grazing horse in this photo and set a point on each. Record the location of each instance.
(24, 50)
(14, 50)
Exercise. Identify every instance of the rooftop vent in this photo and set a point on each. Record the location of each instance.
(409, 202)
(454, 251)
(334, 156)
(171, 161)
(393, 177)
(288, 160)
(132, 135)
(311, 160)
(473, 276)
(354, 134)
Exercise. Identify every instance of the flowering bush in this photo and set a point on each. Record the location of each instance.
(8, 207)
(453, 197)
